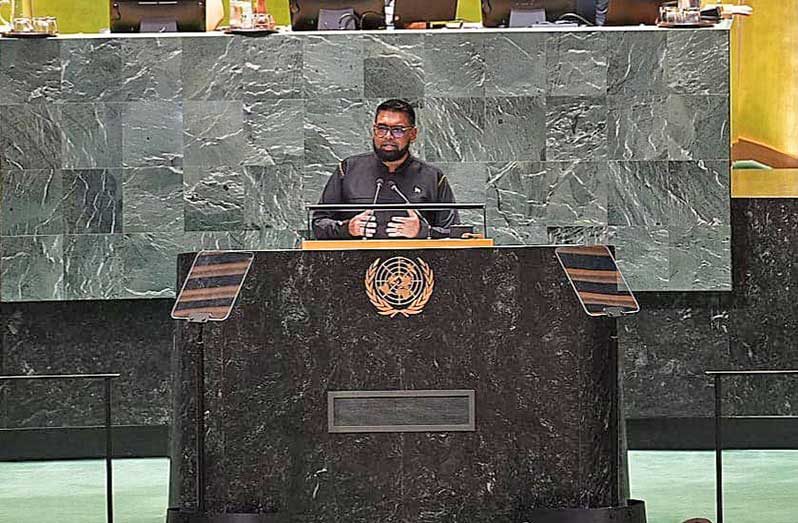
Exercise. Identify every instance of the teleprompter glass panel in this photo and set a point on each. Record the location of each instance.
(595, 278)
(212, 285)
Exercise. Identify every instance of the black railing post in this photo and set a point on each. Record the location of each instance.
(718, 451)
(200, 421)
(109, 450)
(109, 494)
(717, 376)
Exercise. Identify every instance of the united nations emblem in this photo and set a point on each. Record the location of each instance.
(399, 286)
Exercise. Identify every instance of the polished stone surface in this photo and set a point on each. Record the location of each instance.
(678, 336)
(184, 136)
(132, 338)
(513, 332)
(667, 347)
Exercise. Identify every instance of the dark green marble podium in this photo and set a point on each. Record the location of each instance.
(501, 322)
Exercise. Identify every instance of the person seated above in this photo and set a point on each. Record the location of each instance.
(391, 175)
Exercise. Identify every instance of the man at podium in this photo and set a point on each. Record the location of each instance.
(388, 175)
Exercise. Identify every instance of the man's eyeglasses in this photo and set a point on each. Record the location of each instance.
(397, 132)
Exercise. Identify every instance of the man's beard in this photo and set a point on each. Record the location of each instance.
(389, 156)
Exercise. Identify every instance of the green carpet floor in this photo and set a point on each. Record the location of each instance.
(758, 486)
(74, 491)
(762, 486)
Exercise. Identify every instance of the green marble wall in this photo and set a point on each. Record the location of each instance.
(118, 153)
(91, 16)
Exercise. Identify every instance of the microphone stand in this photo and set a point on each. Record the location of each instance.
(380, 182)
(395, 189)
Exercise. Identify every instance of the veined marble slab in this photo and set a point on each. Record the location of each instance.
(117, 152)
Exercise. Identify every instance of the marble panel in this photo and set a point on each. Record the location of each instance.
(666, 349)
(216, 240)
(91, 135)
(151, 70)
(515, 64)
(32, 268)
(700, 193)
(30, 71)
(698, 127)
(636, 63)
(700, 257)
(639, 194)
(763, 250)
(454, 65)
(272, 68)
(32, 203)
(212, 69)
(214, 133)
(643, 256)
(765, 317)
(760, 396)
(334, 129)
(455, 130)
(214, 198)
(152, 199)
(504, 233)
(550, 193)
(314, 178)
(393, 66)
(576, 128)
(274, 132)
(576, 63)
(92, 201)
(697, 62)
(91, 70)
(152, 134)
(451, 466)
(271, 238)
(333, 66)
(272, 198)
(515, 129)
(469, 183)
(479, 98)
(30, 137)
(93, 266)
(150, 264)
(577, 235)
(82, 337)
(636, 127)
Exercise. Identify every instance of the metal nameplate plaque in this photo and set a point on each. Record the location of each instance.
(401, 411)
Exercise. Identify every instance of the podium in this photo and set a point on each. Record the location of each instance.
(406, 384)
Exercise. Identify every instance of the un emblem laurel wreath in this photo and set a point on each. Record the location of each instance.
(383, 307)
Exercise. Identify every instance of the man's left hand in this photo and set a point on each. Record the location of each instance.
(404, 227)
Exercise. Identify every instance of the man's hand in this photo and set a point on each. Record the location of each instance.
(363, 225)
(401, 227)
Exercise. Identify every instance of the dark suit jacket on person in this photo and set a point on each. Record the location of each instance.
(355, 182)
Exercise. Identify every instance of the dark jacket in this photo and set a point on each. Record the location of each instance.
(355, 182)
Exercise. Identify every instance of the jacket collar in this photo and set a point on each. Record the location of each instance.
(399, 170)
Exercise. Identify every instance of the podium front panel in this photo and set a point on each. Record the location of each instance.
(501, 322)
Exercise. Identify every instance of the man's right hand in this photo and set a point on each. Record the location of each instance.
(363, 225)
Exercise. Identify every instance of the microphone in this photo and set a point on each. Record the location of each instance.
(395, 189)
(376, 196)
(377, 192)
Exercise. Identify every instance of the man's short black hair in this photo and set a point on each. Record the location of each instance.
(398, 106)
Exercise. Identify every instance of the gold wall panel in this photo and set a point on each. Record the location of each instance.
(765, 82)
